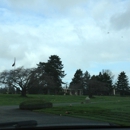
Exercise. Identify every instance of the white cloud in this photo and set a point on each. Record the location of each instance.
(76, 31)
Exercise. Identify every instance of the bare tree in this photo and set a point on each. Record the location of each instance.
(17, 78)
(108, 72)
(96, 87)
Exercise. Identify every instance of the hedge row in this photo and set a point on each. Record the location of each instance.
(35, 104)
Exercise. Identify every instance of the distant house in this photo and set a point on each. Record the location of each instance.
(69, 91)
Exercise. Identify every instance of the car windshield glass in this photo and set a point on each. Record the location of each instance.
(64, 62)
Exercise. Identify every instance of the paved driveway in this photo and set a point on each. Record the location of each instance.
(13, 113)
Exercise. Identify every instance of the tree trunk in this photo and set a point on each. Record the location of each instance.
(56, 92)
(23, 92)
(48, 91)
(90, 95)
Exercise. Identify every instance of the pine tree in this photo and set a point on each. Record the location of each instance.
(77, 81)
(86, 78)
(106, 77)
(53, 69)
(122, 83)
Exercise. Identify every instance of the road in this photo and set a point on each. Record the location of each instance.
(13, 113)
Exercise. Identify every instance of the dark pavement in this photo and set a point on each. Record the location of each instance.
(13, 113)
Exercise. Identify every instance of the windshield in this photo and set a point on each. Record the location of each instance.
(65, 61)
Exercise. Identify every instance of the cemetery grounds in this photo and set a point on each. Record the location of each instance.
(112, 109)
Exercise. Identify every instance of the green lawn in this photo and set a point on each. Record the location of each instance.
(112, 115)
(114, 109)
(15, 99)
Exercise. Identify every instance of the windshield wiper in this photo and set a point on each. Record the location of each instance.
(20, 124)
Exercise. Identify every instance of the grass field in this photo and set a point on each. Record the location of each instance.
(15, 99)
(113, 109)
(118, 113)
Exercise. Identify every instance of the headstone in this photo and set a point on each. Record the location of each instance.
(87, 99)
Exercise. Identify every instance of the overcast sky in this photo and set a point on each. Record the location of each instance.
(86, 34)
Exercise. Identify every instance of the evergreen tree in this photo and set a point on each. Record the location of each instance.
(122, 83)
(77, 81)
(106, 77)
(86, 78)
(55, 67)
(100, 84)
(52, 71)
(94, 77)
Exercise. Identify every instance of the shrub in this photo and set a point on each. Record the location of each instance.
(35, 104)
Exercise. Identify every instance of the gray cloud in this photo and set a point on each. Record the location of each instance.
(66, 5)
(57, 3)
(45, 7)
(121, 20)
